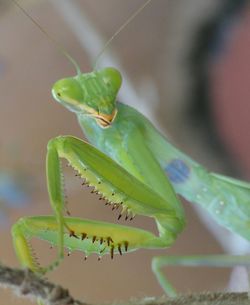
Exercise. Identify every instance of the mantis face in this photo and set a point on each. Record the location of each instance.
(93, 94)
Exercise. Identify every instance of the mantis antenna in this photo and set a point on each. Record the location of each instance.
(62, 49)
(122, 27)
(55, 42)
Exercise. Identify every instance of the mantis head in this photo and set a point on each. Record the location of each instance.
(93, 94)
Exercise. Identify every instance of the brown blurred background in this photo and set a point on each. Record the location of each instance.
(159, 50)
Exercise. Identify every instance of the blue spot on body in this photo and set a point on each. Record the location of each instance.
(177, 171)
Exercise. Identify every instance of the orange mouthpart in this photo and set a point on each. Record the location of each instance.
(105, 120)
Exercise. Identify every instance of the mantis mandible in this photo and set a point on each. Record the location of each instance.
(131, 165)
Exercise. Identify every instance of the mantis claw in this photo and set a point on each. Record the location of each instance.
(112, 252)
(119, 249)
(126, 246)
(84, 235)
(109, 239)
(72, 234)
(101, 251)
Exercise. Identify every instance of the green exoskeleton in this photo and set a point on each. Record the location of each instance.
(135, 168)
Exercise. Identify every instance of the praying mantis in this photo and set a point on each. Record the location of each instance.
(134, 168)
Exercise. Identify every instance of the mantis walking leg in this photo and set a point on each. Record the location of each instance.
(193, 261)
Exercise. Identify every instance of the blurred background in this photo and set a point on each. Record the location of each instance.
(186, 66)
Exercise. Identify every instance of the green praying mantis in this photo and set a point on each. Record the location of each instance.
(134, 168)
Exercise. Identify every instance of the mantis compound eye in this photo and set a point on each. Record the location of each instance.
(112, 78)
(69, 93)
